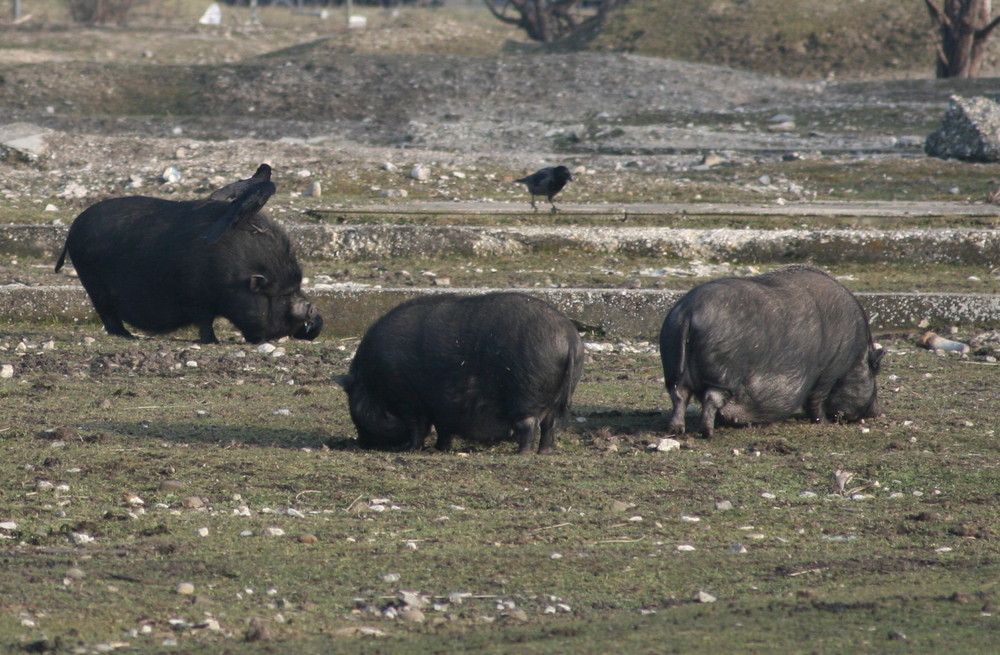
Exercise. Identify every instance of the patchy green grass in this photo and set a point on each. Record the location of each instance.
(810, 38)
(508, 553)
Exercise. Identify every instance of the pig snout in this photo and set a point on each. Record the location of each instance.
(306, 313)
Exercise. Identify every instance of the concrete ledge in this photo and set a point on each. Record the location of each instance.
(345, 243)
(624, 313)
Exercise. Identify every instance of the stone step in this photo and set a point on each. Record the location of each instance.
(348, 309)
(973, 246)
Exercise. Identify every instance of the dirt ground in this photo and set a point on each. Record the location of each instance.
(322, 103)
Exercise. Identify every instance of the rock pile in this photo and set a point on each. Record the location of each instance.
(970, 130)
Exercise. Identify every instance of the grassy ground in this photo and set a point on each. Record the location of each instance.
(603, 543)
(812, 38)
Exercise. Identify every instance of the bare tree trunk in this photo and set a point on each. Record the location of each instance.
(965, 27)
(547, 20)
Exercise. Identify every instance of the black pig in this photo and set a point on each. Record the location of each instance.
(480, 367)
(756, 349)
(161, 265)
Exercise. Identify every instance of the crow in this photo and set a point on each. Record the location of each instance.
(546, 182)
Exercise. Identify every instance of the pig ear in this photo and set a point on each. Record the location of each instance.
(257, 283)
(345, 381)
(235, 189)
(247, 204)
(875, 359)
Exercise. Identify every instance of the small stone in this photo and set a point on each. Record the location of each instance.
(666, 445)
(783, 126)
(516, 614)
(724, 505)
(6, 371)
(184, 588)
(202, 532)
(170, 486)
(256, 631)
(390, 167)
(274, 532)
(76, 574)
(308, 538)
(315, 190)
(8, 525)
(711, 159)
(705, 597)
(619, 506)
(420, 173)
(266, 348)
(193, 502)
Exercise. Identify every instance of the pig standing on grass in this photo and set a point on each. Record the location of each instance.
(484, 367)
(161, 265)
(756, 349)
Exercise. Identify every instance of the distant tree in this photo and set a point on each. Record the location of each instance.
(551, 20)
(964, 26)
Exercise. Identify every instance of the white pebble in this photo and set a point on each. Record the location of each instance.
(273, 532)
(266, 348)
(283, 412)
(202, 532)
(665, 445)
(8, 525)
(686, 548)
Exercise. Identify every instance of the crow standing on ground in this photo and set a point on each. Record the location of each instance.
(546, 182)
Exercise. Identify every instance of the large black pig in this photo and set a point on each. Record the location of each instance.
(756, 349)
(160, 265)
(483, 367)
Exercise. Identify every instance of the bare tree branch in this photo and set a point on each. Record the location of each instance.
(550, 20)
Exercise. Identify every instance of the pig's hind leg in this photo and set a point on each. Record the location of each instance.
(679, 396)
(711, 402)
(526, 432)
(548, 434)
(106, 309)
